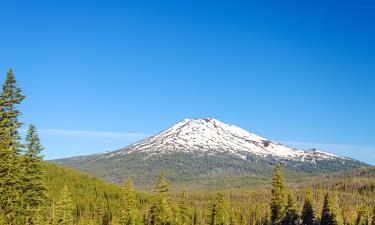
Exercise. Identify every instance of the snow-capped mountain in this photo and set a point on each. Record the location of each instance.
(207, 150)
(210, 136)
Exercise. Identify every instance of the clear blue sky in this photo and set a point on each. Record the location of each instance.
(101, 75)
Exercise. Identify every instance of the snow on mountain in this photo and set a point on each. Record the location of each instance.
(210, 136)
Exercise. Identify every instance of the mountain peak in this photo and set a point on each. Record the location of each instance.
(211, 136)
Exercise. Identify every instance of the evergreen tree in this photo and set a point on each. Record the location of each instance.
(219, 212)
(183, 208)
(64, 208)
(328, 216)
(362, 217)
(308, 212)
(129, 213)
(373, 216)
(278, 196)
(10, 147)
(33, 188)
(160, 212)
(291, 216)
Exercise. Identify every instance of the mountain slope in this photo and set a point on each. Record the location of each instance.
(209, 149)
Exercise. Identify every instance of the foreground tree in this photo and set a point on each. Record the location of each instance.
(328, 216)
(33, 187)
(10, 148)
(183, 209)
(278, 196)
(291, 216)
(129, 211)
(362, 217)
(160, 212)
(64, 208)
(308, 212)
(219, 211)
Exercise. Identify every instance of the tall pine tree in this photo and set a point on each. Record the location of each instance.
(278, 199)
(160, 212)
(308, 212)
(328, 216)
(129, 211)
(33, 187)
(183, 209)
(362, 217)
(10, 148)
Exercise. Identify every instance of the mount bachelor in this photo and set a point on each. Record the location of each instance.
(209, 152)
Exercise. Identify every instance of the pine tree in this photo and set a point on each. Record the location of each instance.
(362, 217)
(160, 212)
(278, 196)
(129, 213)
(308, 212)
(219, 212)
(291, 216)
(183, 208)
(373, 216)
(33, 188)
(10, 147)
(328, 216)
(64, 208)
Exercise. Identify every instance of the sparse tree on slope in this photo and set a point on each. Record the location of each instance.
(64, 208)
(308, 212)
(10, 147)
(278, 196)
(160, 212)
(129, 211)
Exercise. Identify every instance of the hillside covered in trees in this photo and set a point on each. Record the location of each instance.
(33, 191)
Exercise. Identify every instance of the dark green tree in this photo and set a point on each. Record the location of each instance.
(308, 212)
(64, 207)
(10, 148)
(278, 200)
(129, 211)
(328, 216)
(219, 211)
(291, 216)
(160, 212)
(33, 187)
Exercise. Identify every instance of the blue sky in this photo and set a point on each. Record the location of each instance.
(101, 75)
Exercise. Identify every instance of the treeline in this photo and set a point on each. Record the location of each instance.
(36, 192)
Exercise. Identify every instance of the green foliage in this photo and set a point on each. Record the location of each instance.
(129, 211)
(308, 212)
(328, 216)
(219, 211)
(362, 216)
(33, 186)
(10, 148)
(183, 209)
(64, 208)
(291, 216)
(160, 212)
(278, 199)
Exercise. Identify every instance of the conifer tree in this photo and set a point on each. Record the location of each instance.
(328, 216)
(219, 212)
(308, 212)
(129, 212)
(33, 188)
(373, 216)
(160, 212)
(183, 208)
(291, 216)
(278, 196)
(64, 208)
(10, 147)
(362, 217)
